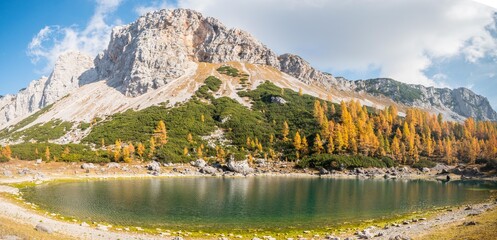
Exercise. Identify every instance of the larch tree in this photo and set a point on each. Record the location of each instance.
(151, 151)
(140, 149)
(185, 151)
(285, 131)
(160, 133)
(47, 154)
(318, 144)
(330, 146)
(297, 141)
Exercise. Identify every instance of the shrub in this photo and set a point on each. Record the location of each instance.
(330, 161)
(424, 163)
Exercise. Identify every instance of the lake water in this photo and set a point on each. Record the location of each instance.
(270, 203)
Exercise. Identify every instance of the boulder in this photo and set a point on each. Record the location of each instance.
(41, 227)
(84, 224)
(39, 161)
(154, 166)
(323, 171)
(200, 163)
(278, 100)
(113, 165)
(87, 166)
(7, 173)
(425, 170)
(470, 223)
(209, 170)
(240, 167)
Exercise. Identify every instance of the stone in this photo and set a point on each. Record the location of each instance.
(113, 165)
(331, 237)
(87, 166)
(10, 237)
(278, 100)
(200, 163)
(209, 170)
(38, 161)
(84, 224)
(470, 223)
(400, 237)
(425, 170)
(177, 238)
(7, 173)
(240, 167)
(323, 171)
(154, 166)
(41, 227)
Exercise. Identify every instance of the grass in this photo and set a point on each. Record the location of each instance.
(484, 229)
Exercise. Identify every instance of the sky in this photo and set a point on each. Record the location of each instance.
(442, 43)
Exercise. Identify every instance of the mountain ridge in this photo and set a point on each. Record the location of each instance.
(160, 47)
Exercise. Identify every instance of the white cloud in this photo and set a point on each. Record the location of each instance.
(401, 37)
(155, 5)
(51, 41)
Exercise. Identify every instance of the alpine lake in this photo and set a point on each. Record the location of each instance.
(241, 204)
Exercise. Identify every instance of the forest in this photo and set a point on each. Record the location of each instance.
(281, 125)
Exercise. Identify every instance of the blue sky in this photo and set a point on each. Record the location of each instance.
(449, 43)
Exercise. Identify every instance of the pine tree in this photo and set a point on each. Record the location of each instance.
(189, 138)
(301, 93)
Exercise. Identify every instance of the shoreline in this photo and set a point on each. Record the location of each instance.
(21, 212)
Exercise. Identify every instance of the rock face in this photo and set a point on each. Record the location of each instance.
(300, 69)
(461, 101)
(162, 45)
(44, 91)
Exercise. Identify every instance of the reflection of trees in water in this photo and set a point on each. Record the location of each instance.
(245, 202)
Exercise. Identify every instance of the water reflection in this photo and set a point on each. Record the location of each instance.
(264, 202)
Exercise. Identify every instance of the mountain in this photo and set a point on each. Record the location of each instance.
(64, 78)
(165, 55)
(461, 101)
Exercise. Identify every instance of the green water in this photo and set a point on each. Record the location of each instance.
(247, 203)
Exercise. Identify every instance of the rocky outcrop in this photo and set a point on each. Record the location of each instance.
(71, 70)
(162, 45)
(299, 68)
(461, 101)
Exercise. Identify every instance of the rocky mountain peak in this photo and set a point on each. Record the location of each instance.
(299, 68)
(65, 76)
(163, 45)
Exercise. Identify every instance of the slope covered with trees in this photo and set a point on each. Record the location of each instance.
(281, 125)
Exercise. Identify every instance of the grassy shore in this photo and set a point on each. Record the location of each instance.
(22, 217)
(485, 228)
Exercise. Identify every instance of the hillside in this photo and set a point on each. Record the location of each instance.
(222, 94)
